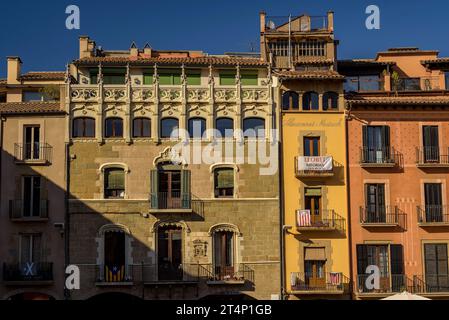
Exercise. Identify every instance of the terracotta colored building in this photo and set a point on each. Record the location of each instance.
(398, 124)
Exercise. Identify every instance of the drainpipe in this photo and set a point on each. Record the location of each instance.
(67, 215)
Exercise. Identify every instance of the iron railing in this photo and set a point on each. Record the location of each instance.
(330, 282)
(432, 214)
(416, 84)
(394, 283)
(33, 152)
(325, 219)
(167, 272)
(171, 200)
(432, 156)
(240, 272)
(30, 271)
(381, 215)
(430, 283)
(21, 209)
(379, 156)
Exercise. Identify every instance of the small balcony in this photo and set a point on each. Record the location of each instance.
(28, 211)
(30, 273)
(319, 220)
(384, 157)
(433, 215)
(432, 157)
(33, 153)
(388, 284)
(331, 283)
(313, 167)
(174, 202)
(431, 285)
(229, 275)
(382, 216)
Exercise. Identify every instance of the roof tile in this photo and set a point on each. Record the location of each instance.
(30, 107)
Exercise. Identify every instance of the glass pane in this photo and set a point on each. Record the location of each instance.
(27, 191)
(227, 79)
(36, 196)
(197, 127)
(32, 96)
(369, 83)
(168, 126)
(254, 127)
(351, 84)
(25, 249)
(249, 79)
(225, 127)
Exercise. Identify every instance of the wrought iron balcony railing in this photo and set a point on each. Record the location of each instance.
(430, 283)
(388, 283)
(28, 272)
(379, 157)
(171, 200)
(432, 156)
(330, 282)
(23, 209)
(433, 214)
(382, 216)
(33, 152)
(227, 274)
(320, 220)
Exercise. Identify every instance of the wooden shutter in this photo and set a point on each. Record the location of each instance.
(365, 136)
(147, 79)
(380, 188)
(193, 79)
(115, 179)
(432, 193)
(225, 178)
(227, 78)
(185, 189)
(154, 188)
(362, 258)
(397, 259)
(386, 136)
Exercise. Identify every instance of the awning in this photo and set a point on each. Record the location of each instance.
(315, 254)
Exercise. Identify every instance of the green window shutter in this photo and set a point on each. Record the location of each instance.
(194, 79)
(176, 79)
(362, 259)
(147, 79)
(115, 180)
(225, 178)
(165, 79)
(185, 189)
(249, 79)
(397, 259)
(312, 192)
(227, 79)
(154, 189)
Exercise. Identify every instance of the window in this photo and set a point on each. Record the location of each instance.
(197, 128)
(170, 187)
(310, 101)
(31, 196)
(30, 249)
(431, 144)
(330, 101)
(290, 100)
(249, 78)
(114, 128)
(406, 84)
(315, 267)
(227, 78)
(309, 48)
(169, 253)
(375, 203)
(169, 127)
(376, 144)
(83, 128)
(110, 75)
(224, 182)
(28, 96)
(311, 146)
(312, 202)
(193, 78)
(141, 128)
(433, 199)
(225, 127)
(436, 266)
(224, 255)
(114, 256)
(446, 76)
(169, 77)
(362, 83)
(32, 143)
(148, 78)
(114, 183)
(254, 128)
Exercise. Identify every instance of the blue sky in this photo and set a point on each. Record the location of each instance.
(35, 30)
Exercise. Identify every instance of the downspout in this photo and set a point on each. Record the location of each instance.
(67, 215)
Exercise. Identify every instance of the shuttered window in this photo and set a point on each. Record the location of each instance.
(193, 78)
(249, 79)
(110, 75)
(227, 78)
(436, 264)
(147, 78)
(169, 77)
(114, 183)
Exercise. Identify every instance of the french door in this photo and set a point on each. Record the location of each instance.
(224, 255)
(433, 202)
(315, 272)
(436, 264)
(31, 144)
(431, 144)
(375, 203)
(169, 189)
(170, 253)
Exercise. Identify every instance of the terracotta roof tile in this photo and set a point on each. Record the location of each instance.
(30, 107)
(410, 100)
(355, 62)
(43, 75)
(436, 61)
(319, 75)
(225, 61)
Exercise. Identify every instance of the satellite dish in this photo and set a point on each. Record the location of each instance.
(271, 25)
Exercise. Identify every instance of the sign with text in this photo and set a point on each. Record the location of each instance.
(315, 163)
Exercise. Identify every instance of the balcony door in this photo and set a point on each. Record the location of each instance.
(377, 255)
(436, 264)
(170, 189)
(31, 196)
(375, 203)
(31, 142)
(311, 146)
(30, 255)
(224, 255)
(315, 267)
(312, 202)
(376, 144)
(114, 256)
(433, 202)
(170, 253)
(431, 148)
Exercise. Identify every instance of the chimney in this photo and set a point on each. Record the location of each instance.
(134, 51)
(14, 70)
(147, 51)
(330, 21)
(262, 16)
(86, 47)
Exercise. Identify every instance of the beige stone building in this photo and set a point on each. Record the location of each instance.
(144, 225)
(32, 207)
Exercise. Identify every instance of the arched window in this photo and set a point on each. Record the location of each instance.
(254, 127)
(290, 101)
(224, 182)
(310, 101)
(169, 126)
(197, 127)
(114, 183)
(330, 101)
(114, 128)
(225, 126)
(141, 128)
(83, 127)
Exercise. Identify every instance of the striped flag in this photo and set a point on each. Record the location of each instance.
(335, 278)
(303, 218)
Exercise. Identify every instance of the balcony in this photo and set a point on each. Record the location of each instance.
(232, 275)
(416, 84)
(382, 216)
(331, 283)
(432, 157)
(433, 215)
(30, 273)
(24, 211)
(174, 202)
(33, 153)
(384, 157)
(319, 220)
(431, 285)
(313, 167)
(388, 284)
